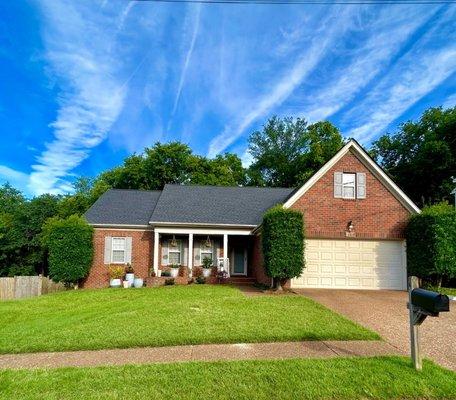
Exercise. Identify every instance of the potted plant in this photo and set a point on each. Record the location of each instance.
(138, 283)
(174, 270)
(116, 273)
(207, 267)
(129, 274)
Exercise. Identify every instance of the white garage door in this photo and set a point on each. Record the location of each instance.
(353, 264)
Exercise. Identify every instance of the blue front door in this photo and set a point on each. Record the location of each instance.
(239, 261)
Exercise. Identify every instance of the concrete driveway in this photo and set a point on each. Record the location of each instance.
(385, 312)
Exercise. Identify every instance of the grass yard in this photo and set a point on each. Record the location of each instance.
(119, 318)
(355, 378)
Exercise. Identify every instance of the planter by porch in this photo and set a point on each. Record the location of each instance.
(138, 283)
(126, 284)
(130, 277)
(115, 283)
(174, 272)
(207, 272)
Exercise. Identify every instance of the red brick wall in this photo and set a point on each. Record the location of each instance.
(379, 216)
(141, 255)
(257, 262)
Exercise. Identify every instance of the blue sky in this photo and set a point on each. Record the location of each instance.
(84, 84)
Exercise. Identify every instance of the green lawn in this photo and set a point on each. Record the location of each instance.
(119, 318)
(355, 378)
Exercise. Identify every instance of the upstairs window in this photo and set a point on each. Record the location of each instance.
(350, 185)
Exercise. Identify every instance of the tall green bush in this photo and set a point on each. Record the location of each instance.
(70, 246)
(283, 244)
(431, 244)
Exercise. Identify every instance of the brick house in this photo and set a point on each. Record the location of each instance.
(355, 217)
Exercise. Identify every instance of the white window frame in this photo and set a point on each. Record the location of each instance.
(349, 185)
(177, 249)
(124, 240)
(204, 251)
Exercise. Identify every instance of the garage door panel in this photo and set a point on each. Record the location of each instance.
(353, 264)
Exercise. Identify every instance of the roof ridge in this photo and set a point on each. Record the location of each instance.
(230, 187)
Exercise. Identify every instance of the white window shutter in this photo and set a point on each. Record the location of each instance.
(164, 252)
(360, 185)
(128, 247)
(107, 249)
(338, 180)
(197, 253)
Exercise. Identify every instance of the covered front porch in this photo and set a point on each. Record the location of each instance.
(229, 251)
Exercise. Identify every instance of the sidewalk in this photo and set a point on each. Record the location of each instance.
(211, 352)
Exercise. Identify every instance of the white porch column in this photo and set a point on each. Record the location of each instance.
(156, 240)
(190, 253)
(225, 254)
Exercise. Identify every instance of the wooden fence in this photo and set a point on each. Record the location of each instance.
(21, 287)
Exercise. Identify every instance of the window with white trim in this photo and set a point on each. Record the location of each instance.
(118, 250)
(174, 254)
(206, 252)
(348, 185)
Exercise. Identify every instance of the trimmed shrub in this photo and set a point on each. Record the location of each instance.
(431, 244)
(283, 244)
(70, 246)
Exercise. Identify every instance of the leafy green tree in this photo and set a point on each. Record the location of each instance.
(421, 156)
(431, 238)
(282, 236)
(287, 152)
(70, 246)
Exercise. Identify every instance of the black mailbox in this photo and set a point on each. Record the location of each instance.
(430, 302)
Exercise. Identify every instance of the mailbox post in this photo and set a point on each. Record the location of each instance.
(422, 303)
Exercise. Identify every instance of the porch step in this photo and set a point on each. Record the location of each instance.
(242, 280)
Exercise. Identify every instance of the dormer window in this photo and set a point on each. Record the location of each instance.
(350, 185)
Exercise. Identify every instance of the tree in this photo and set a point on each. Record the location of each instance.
(287, 152)
(421, 156)
(69, 242)
(282, 236)
(431, 238)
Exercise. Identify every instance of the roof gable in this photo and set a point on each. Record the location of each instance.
(371, 165)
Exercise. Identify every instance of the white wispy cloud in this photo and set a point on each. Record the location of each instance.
(334, 24)
(16, 178)
(450, 102)
(91, 92)
(423, 68)
(385, 33)
(195, 12)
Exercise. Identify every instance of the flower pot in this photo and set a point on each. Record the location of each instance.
(174, 272)
(138, 282)
(207, 272)
(159, 273)
(116, 283)
(126, 284)
(130, 278)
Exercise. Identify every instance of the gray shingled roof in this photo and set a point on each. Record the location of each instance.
(123, 207)
(216, 204)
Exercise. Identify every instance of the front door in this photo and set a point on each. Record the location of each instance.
(239, 257)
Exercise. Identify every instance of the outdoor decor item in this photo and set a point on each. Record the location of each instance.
(130, 275)
(138, 283)
(116, 273)
(174, 270)
(207, 267)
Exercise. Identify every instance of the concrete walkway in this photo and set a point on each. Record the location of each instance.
(212, 352)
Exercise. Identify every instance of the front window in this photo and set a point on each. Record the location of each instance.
(348, 186)
(118, 250)
(206, 252)
(174, 256)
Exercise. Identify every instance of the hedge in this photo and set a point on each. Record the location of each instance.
(70, 246)
(283, 244)
(431, 244)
